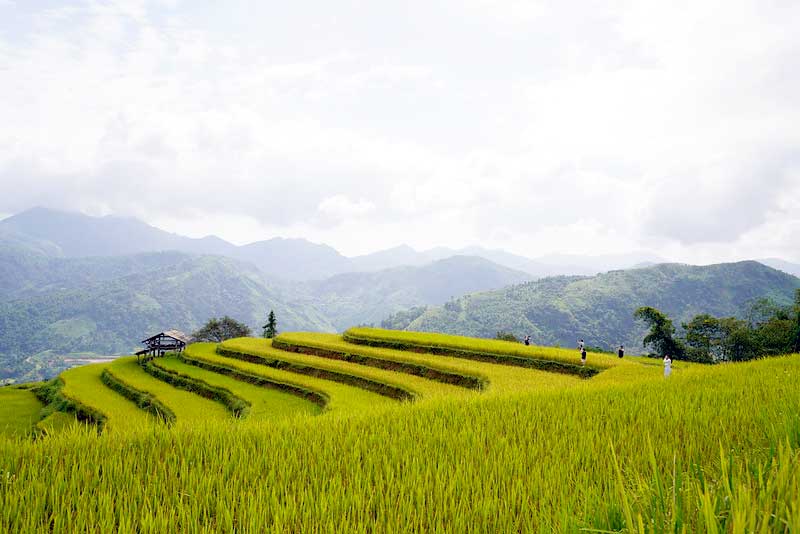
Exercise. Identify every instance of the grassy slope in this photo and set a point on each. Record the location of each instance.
(342, 398)
(83, 385)
(421, 386)
(501, 378)
(264, 403)
(188, 408)
(673, 454)
(19, 411)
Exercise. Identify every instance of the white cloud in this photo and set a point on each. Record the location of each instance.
(341, 207)
(537, 126)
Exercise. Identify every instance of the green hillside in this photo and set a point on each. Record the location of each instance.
(368, 297)
(599, 309)
(308, 434)
(111, 317)
(25, 273)
(52, 307)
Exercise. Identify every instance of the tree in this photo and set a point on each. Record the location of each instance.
(704, 336)
(774, 337)
(271, 328)
(506, 336)
(218, 330)
(737, 342)
(762, 310)
(661, 333)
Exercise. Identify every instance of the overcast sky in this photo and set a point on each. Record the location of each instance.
(576, 127)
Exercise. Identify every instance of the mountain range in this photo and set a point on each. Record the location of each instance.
(73, 284)
(599, 309)
(63, 234)
(102, 293)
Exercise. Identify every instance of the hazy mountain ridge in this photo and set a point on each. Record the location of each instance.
(57, 233)
(53, 305)
(366, 298)
(559, 310)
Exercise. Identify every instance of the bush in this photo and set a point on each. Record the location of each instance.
(218, 330)
(506, 336)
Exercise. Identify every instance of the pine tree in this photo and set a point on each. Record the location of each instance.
(271, 328)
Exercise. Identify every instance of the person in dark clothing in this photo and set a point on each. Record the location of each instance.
(527, 340)
(621, 351)
(583, 356)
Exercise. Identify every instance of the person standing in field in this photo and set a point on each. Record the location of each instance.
(528, 340)
(667, 366)
(580, 344)
(583, 356)
(621, 351)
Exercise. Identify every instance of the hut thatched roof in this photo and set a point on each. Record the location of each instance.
(174, 334)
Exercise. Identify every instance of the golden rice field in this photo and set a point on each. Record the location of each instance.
(382, 431)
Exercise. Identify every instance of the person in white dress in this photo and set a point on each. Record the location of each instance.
(667, 365)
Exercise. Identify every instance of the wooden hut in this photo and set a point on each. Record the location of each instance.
(163, 342)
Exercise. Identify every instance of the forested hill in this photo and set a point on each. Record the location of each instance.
(110, 316)
(57, 307)
(367, 297)
(599, 309)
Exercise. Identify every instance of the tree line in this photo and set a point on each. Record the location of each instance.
(768, 329)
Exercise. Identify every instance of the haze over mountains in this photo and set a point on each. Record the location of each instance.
(58, 233)
(73, 284)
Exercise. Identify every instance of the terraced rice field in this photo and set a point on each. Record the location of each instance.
(56, 422)
(19, 411)
(417, 387)
(396, 432)
(188, 408)
(84, 386)
(264, 403)
(336, 397)
(472, 348)
(496, 378)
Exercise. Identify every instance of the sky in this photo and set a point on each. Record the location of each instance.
(539, 127)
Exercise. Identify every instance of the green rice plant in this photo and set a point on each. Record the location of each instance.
(264, 353)
(142, 399)
(196, 359)
(238, 406)
(492, 350)
(263, 403)
(188, 408)
(339, 397)
(369, 384)
(51, 394)
(712, 449)
(55, 422)
(85, 386)
(19, 411)
(500, 378)
(446, 376)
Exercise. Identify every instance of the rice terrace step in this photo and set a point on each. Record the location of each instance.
(403, 418)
